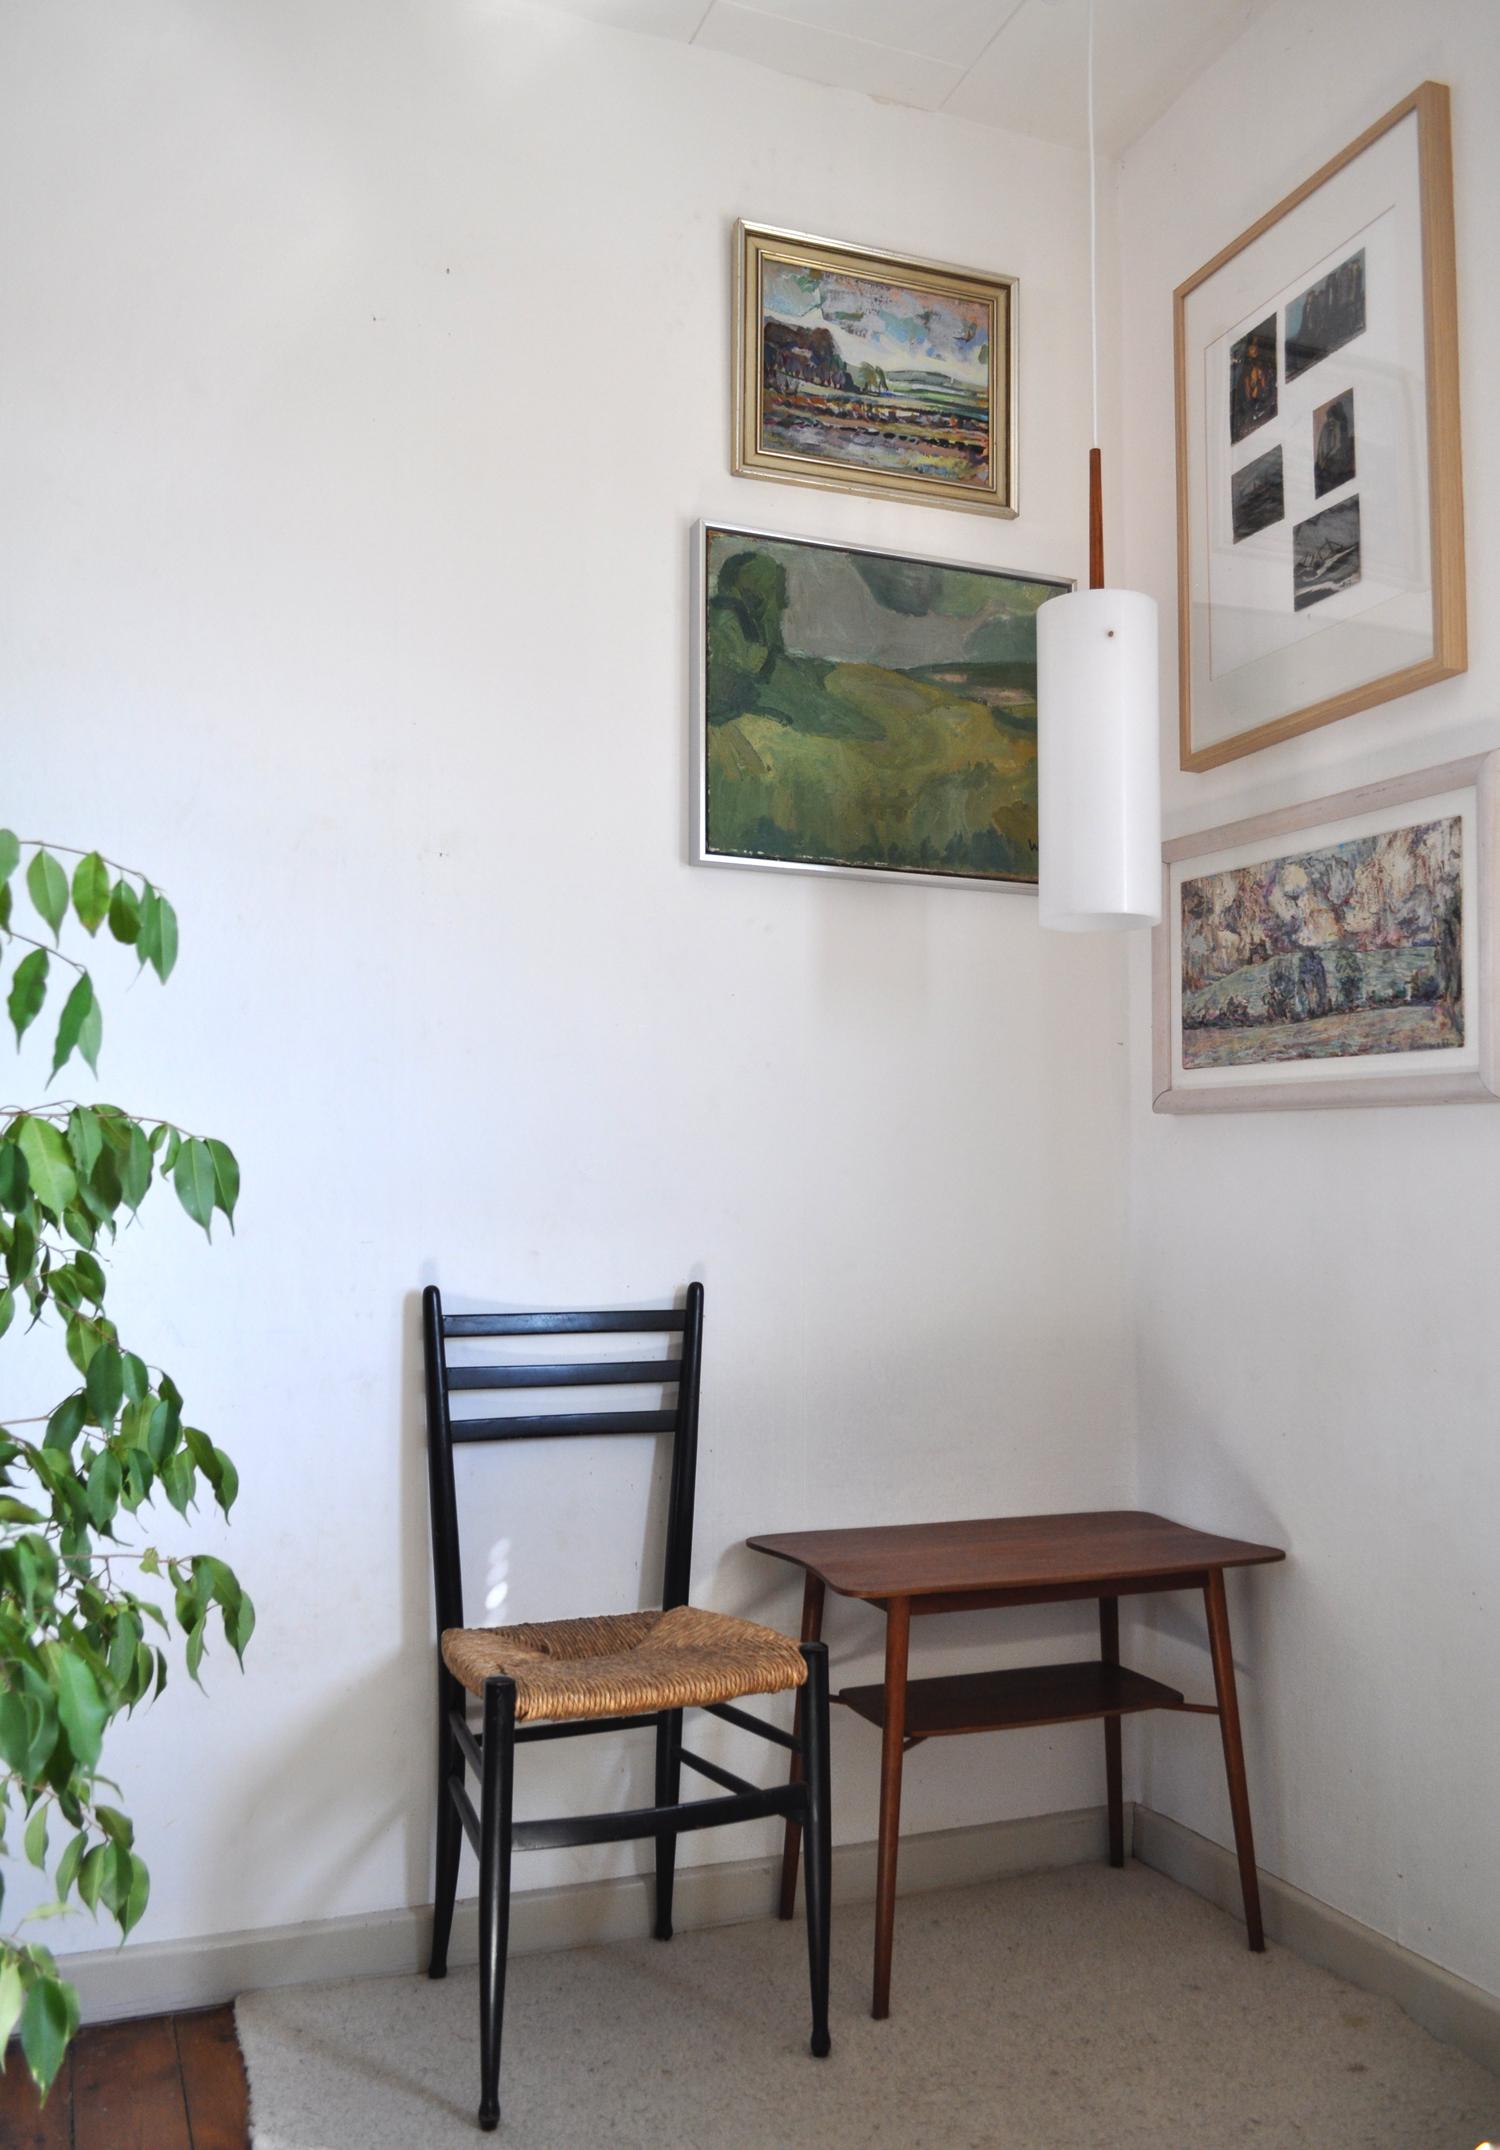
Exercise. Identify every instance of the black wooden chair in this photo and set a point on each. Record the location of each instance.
(557, 1679)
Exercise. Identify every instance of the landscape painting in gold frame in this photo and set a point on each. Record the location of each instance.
(867, 372)
(1320, 535)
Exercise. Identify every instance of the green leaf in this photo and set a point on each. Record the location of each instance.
(48, 2021)
(104, 1384)
(28, 989)
(81, 1024)
(10, 859)
(91, 891)
(7, 1308)
(136, 1377)
(53, 1179)
(12, 1992)
(15, 1180)
(48, 887)
(135, 1168)
(35, 1840)
(104, 1482)
(162, 950)
(227, 1484)
(85, 1138)
(14, 1511)
(137, 1892)
(118, 1827)
(91, 1877)
(21, 1254)
(67, 1865)
(79, 1704)
(125, 913)
(179, 1480)
(226, 1177)
(193, 1177)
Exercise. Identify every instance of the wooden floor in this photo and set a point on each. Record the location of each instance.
(156, 2083)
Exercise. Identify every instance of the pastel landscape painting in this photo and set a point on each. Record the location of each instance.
(1350, 950)
(881, 376)
(869, 711)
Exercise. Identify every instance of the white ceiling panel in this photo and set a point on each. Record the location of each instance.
(851, 63)
(1032, 78)
(677, 19)
(1016, 64)
(953, 30)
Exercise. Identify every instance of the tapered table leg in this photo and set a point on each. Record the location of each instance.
(892, 1750)
(791, 1844)
(1234, 1750)
(1109, 1651)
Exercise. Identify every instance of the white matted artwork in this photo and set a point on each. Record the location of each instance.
(1320, 519)
(1339, 953)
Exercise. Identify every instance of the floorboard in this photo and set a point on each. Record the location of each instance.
(213, 2080)
(154, 2083)
(127, 2088)
(24, 2125)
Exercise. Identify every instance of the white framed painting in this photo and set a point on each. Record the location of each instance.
(1339, 953)
(1319, 480)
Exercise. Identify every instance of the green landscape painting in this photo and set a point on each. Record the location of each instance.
(867, 711)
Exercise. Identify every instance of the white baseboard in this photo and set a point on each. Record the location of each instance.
(1462, 2015)
(153, 1977)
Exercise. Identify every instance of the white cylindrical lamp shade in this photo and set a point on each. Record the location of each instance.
(1098, 774)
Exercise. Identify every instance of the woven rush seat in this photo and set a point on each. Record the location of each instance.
(622, 1664)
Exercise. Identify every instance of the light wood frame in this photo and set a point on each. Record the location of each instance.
(1480, 1085)
(1430, 103)
(752, 242)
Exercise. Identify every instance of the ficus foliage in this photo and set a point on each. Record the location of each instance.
(80, 1640)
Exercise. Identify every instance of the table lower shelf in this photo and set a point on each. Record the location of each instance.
(1010, 1701)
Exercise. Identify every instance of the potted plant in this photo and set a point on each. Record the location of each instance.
(81, 1640)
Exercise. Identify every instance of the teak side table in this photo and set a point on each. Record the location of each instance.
(920, 1568)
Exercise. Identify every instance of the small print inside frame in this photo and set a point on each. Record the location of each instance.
(1320, 505)
(1341, 953)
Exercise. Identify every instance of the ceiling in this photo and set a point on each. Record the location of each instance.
(1018, 64)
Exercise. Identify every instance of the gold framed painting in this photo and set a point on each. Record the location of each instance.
(1320, 537)
(867, 372)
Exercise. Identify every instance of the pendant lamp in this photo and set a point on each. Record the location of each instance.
(1098, 775)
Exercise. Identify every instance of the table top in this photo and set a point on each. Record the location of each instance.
(1024, 1552)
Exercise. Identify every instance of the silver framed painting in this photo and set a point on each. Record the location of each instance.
(1339, 953)
(864, 712)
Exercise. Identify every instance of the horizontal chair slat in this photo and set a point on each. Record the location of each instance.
(646, 1821)
(528, 1426)
(573, 1374)
(648, 1323)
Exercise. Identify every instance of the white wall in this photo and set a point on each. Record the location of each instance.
(1315, 1293)
(365, 370)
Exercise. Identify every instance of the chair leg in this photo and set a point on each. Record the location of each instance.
(450, 1836)
(494, 1885)
(668, 1794)
(818, 1850)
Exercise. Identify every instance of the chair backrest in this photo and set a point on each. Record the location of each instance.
(679, 1419)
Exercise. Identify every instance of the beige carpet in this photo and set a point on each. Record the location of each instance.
(1080, 2010)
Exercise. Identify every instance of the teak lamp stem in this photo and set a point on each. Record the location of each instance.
(1096, 521)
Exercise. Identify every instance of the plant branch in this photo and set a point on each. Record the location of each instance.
(48, 949)
(37, 843)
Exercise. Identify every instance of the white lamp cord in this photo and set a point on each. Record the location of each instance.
(1093, 238)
